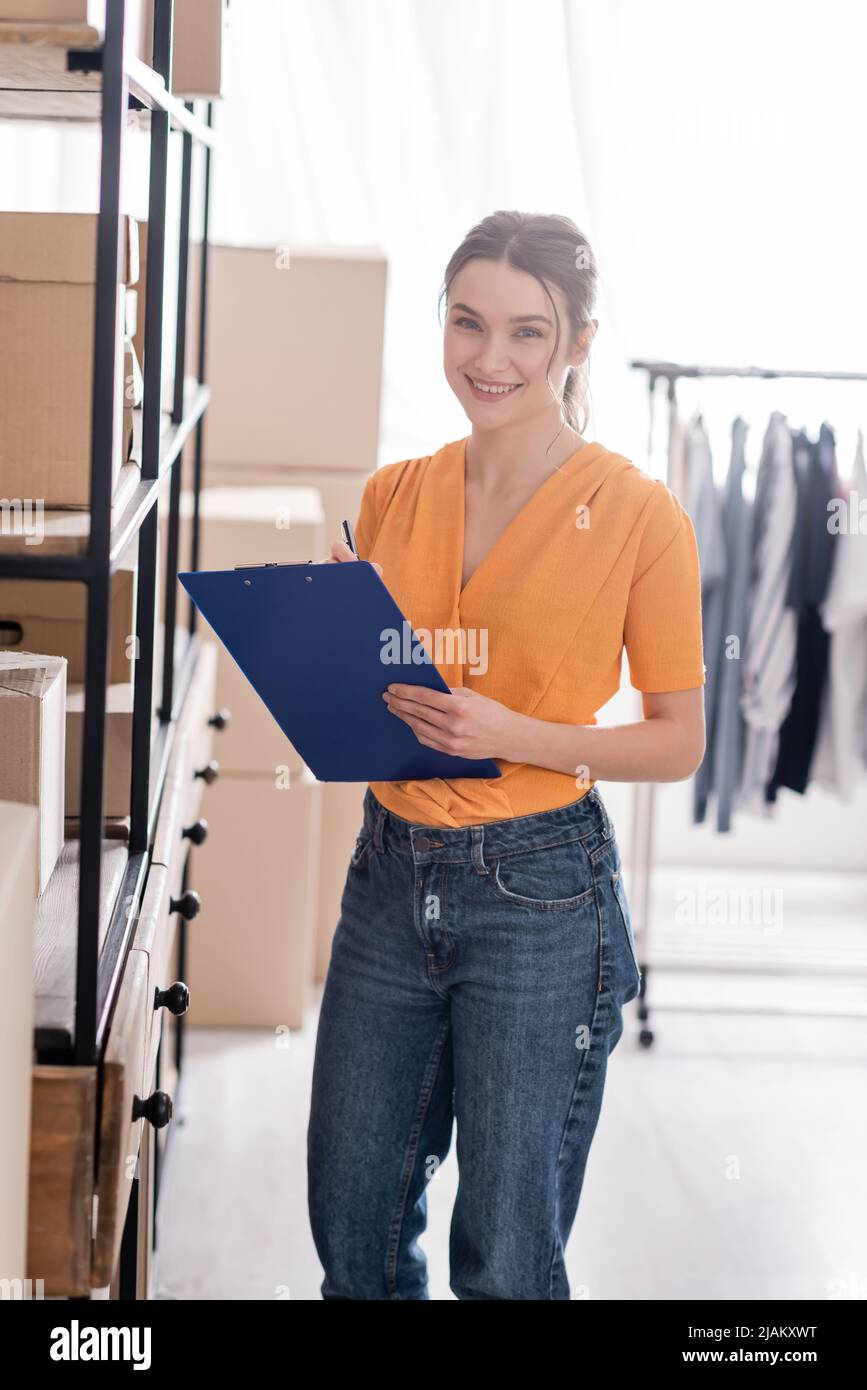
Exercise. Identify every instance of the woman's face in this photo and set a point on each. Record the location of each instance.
(500, 332)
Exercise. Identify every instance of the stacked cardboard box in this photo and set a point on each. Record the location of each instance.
(198, 40)
(296, 402)
(294, 355)
(47, 306)
(49, 616)
(258, 873)
(32, 747)
(18, 874)
(170, 281)
(197, 34)
(90, 12)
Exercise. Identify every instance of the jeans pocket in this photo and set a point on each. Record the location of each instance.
(552, 878)
(618, 889)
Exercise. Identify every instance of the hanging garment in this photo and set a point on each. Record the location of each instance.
(705, 508)
(769, 657)
(840, 759)
(818, 483)
(728, 736)
(601, 558)
(678, 461)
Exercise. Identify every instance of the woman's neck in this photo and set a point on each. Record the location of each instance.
(498, 457)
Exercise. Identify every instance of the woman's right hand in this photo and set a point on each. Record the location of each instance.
(340, 552)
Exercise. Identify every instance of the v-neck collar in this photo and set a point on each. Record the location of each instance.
(587, 451)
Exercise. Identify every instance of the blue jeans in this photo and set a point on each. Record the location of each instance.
(477, 974)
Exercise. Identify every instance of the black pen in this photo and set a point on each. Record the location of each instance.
(349, 537)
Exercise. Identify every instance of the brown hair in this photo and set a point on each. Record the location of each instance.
(548, 247)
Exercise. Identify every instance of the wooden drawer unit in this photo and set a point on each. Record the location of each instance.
(155, 937)
(167, 1073)
(123, 1081)
(197, 728)
(168, 835)
(87, 1123)
(78, 1199)
(60, 1206)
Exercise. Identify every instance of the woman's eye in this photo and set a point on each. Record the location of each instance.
(471, 323)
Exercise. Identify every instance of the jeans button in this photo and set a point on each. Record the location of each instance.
(423, 842)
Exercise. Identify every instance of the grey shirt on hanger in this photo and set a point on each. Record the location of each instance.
(728, 742)
(704, 506)
(769, 659)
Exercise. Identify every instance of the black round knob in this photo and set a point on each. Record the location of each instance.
(198, 832)
(157, 1109)
(220, 719)
(188, 906)
(210, 772)
(176, 998)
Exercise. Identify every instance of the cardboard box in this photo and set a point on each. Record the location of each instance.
(32, 746)
(117, 760)
(341, 801)
(342, 815)
(50, 615)
(340, 490)
(198, 35)
(90, 12)
(251, 965)
(170, 318)
(47, 304)
(271, 356)
(18, 832)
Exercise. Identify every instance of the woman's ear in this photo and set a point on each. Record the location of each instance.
(585, 342)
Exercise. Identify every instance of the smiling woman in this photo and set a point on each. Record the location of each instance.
(484, 922)
(519, 315)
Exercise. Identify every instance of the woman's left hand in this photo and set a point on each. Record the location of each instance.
(463, 723)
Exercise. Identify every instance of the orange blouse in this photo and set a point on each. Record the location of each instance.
(600, 557)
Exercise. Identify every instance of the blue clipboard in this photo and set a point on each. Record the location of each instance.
(308, 638)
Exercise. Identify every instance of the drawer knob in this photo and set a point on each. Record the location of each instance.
(157, 1109)
(198, 833)
(221, 719)
(188, 906)
(210, 772)
(176, 998)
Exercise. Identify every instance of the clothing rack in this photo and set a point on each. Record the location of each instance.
(644, 793)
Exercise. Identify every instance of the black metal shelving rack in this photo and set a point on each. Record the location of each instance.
(129, 84)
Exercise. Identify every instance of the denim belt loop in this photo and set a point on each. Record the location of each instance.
(607, 826)
(378, 828)
(478, 839)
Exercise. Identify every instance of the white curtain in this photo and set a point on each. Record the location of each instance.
(713, 153)
(398, 123)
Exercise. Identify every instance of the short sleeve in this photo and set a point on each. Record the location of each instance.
(662, 631)
(366, 522)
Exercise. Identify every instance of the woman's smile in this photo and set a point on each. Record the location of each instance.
(485, 390)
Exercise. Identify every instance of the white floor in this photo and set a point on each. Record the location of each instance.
(729, 1162)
